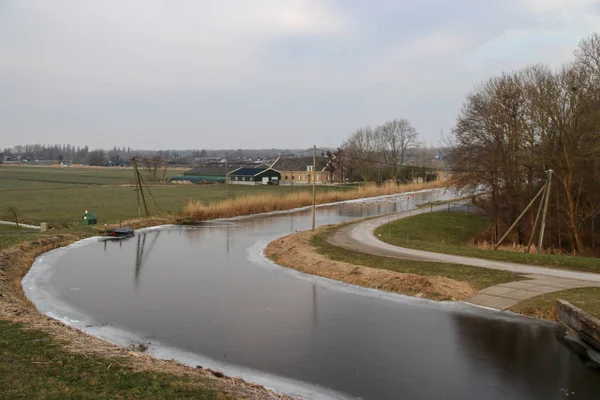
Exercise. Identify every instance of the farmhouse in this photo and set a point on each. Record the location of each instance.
(299, 170)
(213, 171)
(254, 176)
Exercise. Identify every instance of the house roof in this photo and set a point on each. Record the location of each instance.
(299, 163)
(245, 171)
(217, 169)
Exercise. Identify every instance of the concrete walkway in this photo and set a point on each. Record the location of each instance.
(360, 237)
(20, 225)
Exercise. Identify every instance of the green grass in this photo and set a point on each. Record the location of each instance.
(587, 299)
(479, 278)
(32, 365)
(11, 235)
(85, 176)
(10, 184)
(450, 233)
(65, 206)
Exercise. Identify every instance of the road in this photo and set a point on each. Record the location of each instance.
(361, 237)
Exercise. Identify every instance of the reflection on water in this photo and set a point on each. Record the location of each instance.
(202, 290)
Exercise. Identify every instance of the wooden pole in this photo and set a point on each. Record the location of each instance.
(546, 200)
(535, 224)
(226, 178)
(314, 185)
(139, 181)
(137, 189)
(519, 218)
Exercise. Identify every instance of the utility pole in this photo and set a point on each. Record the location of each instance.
(546, 200)
(226, 178)
(314, 181)
(535, 224)
(520, 216)
(138, 178)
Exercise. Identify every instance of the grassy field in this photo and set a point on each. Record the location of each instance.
(450, 233)
(100, 190)
(72, 175)
(33, 365)
(542, 306)
(479, 278)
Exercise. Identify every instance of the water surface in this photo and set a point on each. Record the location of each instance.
(207, 294)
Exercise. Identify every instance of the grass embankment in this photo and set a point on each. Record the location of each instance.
(42, 358)
(544, 306)
(33, 365)
(478, 278)
(268, 202)
(310, 252)
(451, 233)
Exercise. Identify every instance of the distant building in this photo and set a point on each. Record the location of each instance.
(254, 176)
(214, 171)
(299, 170)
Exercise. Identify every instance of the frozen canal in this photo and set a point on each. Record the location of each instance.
(206, 296)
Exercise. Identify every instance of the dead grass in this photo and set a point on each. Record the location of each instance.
(14, 306)
(269, 202)
(295, 251)
(514, 247)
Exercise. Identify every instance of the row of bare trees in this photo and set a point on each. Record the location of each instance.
(514, 127)
(375, 154)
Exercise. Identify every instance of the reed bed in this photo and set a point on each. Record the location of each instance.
(270, 202)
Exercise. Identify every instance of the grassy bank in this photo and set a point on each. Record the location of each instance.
(478, 278)
(34, 365)
(200, 210)
(544, 306)
(451, 233)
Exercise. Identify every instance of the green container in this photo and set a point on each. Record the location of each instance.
(89, 219)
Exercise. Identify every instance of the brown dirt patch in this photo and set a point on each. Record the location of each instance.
(295, 251)
(14, 306)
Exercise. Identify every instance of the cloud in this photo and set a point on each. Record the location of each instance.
(238, 73)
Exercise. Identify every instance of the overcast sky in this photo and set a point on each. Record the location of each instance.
(260, 73)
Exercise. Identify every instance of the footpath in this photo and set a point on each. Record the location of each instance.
(361, 237)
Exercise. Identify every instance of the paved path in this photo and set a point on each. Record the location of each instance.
(20, 225)
(360, 237)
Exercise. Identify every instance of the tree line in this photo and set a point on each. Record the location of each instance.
(514, 127)
(390, 151)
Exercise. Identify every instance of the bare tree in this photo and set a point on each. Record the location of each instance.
(360, 148)
(14, 214)
(393, 139)
(154, 168)
(516, 126)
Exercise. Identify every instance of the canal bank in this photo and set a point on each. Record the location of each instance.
(205, 293)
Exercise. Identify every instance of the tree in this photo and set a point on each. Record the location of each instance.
(154, 168)
(96, 157)
(14, 214)
(393, 139)
(516, 126)
(360, 148)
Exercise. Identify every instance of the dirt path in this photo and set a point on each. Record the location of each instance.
(361, 237)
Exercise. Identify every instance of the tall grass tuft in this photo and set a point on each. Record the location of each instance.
(269, 202)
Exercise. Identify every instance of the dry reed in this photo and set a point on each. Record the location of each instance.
(270, 202)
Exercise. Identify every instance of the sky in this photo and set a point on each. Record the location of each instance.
(179, 74)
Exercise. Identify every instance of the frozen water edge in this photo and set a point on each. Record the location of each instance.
(38, 290)
(37, 287)
(256, 255)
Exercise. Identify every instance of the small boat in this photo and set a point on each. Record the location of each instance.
(121, 233)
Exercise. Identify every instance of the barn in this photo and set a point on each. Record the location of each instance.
(254, 176)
